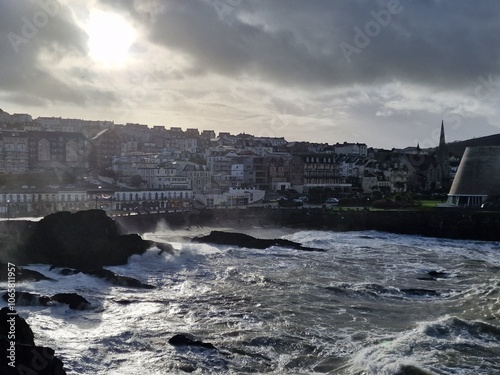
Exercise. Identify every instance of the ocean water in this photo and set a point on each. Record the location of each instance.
(367, 305)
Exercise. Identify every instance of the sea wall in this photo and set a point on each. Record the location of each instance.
(440, 222)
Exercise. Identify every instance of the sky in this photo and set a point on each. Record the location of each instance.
(380, 72)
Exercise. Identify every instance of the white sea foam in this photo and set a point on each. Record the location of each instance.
(283, 311)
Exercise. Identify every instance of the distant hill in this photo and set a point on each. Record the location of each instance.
(458, 148)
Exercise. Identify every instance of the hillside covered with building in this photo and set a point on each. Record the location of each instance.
(49, 164)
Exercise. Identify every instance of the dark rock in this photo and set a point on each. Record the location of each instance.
(29, 359)
(27, 299)
(244, 240)
(187, 367)
(69, 271)
(438, 274)
(85, 240)
(75, 301)
(164, 247)
(116, 279)
(189, 340)
(433, 276)
(420, 292)
(123, 301)
(412, 370)
(24, 334)
(426, 278)
(22, 274)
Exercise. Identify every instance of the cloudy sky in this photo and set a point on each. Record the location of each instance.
(380, 72)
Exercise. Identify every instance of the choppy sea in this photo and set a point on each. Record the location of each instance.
(372, 304)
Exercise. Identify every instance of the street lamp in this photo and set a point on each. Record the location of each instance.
(8, 209)
(97, 195)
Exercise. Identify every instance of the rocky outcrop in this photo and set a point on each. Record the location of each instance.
(85, 240)
(27, 299)
(189, 340)
(108, 276)
(433, 276)
(118, 280)
(20, 355)
(24, 335)
(420, 292)
(75, 301)
(244, 240)
(22, 274)
(412, 370)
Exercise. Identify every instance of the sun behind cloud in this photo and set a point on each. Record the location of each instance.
(110, 38)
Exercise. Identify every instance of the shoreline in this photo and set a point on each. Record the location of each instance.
(439, 222)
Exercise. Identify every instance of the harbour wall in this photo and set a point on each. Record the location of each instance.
(454, 223)
(445, 223)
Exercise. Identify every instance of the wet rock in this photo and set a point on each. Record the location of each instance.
(433, 276)
(29, 358)
(244, 240)
(189, 340)
(420, 292)
(22, 274)
(124, 302)
(75, 301)
(118, 280)
(108, 276)
(187, 367)
(85, 240)
(69, 271)
(438, 274)
(27, 299)
(412, 370)
(164, 247)
(23, 333)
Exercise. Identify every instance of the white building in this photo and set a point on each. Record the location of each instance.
(358, 149)
(235, 197)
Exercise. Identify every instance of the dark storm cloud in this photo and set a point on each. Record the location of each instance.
(28, 29)
(434, 42)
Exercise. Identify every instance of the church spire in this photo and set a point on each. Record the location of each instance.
(442, 141)
(442, 150)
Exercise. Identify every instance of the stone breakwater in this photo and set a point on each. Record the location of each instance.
(21, 240)
(440, 222)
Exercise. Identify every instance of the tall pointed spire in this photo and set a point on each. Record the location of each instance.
(442, 140)
(442, 150)
(443, 159)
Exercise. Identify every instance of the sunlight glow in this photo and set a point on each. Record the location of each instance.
(110, 38)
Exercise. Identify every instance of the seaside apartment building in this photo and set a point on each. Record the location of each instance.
(39, 202)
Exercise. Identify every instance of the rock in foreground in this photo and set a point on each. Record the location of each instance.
(244, 240)
(27, 358)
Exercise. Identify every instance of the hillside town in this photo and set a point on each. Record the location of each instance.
(51, 164)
